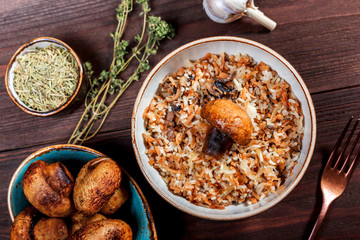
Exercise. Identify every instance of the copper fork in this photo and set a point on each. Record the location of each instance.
(336, 174)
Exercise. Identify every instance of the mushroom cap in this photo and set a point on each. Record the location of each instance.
(51, 228)
(21, 228)
(48, 188)
(116, 201)
(104, 229)
(230, 118)
(95, 184)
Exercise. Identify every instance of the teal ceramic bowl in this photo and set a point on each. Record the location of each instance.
(135, 211)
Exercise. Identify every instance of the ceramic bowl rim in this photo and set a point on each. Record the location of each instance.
(85, 149)
(63, 106)
(298, 79)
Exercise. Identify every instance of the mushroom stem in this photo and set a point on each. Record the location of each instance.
(216, 142)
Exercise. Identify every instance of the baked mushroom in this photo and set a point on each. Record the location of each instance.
(116, 201)
(48, 188)
(95, 184)
(229, 122)
(22, 226)
(104, 229)
(51, 228)
(79, 220)
(28, 226)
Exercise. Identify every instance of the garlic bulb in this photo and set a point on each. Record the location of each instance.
(225, 11)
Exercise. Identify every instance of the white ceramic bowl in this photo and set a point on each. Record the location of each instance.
(198, 49)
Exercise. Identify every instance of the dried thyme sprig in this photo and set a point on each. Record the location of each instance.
(109, 82)
(45, 78)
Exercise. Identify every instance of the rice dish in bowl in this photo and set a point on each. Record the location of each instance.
(175, 131)
(169, 130)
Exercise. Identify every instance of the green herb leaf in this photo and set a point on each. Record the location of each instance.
(109, 81)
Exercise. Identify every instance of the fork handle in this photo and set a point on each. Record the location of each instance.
(320, 219)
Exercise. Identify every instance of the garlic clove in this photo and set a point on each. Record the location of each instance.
(226, 11)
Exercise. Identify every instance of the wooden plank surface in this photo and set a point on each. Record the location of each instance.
(324, 50)
(319, 38)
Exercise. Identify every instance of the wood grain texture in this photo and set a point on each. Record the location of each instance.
(323, 48)
(319, 38)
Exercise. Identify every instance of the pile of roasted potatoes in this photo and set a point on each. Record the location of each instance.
(55, 197)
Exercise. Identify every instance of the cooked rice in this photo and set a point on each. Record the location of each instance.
(175, 131)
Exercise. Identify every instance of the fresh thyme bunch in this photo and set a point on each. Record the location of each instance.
(109, 82)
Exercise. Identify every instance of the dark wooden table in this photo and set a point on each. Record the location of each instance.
(319, 38)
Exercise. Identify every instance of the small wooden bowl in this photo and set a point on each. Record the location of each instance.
(9, 75)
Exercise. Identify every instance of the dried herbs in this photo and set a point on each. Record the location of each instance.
(45, 78)
(99, 101)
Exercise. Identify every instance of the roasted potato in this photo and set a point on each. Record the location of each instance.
(95, 184)
(51, 229)
(21, 228)
(79, 220)
(48, 188)
(104, 230)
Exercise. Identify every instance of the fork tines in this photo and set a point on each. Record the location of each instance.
(339, 162)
